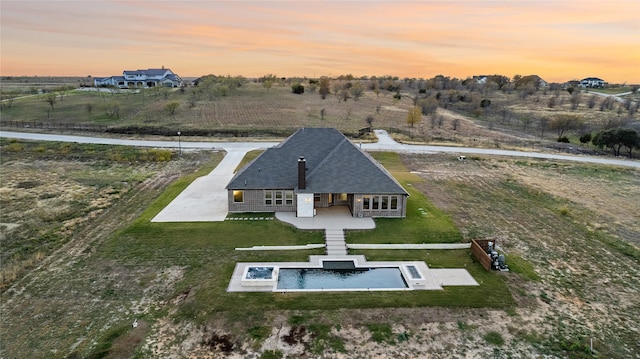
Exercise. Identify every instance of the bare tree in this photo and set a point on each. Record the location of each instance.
(576, 98)
(505, 114)
(369, 119)
(113, 110)
(563, 123)
(543, 124)
(455, 123)
(356, 91)
(171, 107)
(428, 106)
(525, 121)
(50, 98)
(592, 101)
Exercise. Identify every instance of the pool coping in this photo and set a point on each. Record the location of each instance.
(433, 278)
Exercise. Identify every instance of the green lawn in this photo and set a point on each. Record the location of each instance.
(206, 251)
(425, 223)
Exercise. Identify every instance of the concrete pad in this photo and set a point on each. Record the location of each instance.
(453, 277)
(280, 248)
(411, 246)
(205, 199)
(337, 217)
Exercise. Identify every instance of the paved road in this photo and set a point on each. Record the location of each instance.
(385, 143)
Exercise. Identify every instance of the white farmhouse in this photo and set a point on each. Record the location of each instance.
(141, 79)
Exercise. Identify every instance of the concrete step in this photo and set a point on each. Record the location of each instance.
(336, 245)
(337, 253)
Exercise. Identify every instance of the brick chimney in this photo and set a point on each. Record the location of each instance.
(302, 176)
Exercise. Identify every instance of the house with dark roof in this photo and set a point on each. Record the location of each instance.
(141, 79)
(316, 168)
(592, 82)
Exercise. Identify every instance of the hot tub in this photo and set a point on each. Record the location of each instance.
(259, 276)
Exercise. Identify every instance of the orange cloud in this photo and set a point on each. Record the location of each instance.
(558, 40)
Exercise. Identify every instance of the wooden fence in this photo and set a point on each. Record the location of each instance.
(479, 249)
(53, 126)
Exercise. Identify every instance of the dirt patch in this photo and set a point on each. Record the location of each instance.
(575, 223)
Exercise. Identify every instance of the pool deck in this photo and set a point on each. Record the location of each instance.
(335, 221)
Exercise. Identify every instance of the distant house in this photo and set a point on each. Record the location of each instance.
(592, 82)
(141, 79)
(481, 79)
(316, 168)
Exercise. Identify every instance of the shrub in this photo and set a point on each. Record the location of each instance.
(585, 138)
(563, 139)
(271, 354)
(494, 338)
(381, 333)
(297, 89)
(564, 210)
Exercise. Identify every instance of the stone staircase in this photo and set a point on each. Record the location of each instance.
(335, 243)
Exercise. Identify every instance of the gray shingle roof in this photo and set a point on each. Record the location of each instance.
(334, 165)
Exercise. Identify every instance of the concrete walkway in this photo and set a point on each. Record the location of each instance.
(411, 246)
(205, 199)
(334, 221)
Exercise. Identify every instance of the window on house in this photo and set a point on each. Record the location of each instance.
(394, 202)
(316, 198)
(288, 198)
(376, 202)
(238, 196)
(278, 198)
(366, 202)
(385, 202)
(268, 198)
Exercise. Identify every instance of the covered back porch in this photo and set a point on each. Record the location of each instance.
(359, 205)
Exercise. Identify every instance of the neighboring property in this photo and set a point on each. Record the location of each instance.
(141, 79)
(316, 168)
(592, 82)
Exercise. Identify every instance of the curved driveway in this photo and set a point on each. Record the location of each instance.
(385, 143)
(206, 198)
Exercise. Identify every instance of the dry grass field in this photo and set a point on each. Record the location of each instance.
(513, 120)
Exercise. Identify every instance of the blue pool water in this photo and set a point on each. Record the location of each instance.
(316, 278)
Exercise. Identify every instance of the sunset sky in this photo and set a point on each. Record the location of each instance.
(558, 40)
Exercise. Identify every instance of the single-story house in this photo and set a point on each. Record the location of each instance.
(141, 79)
(592, 82)
(316, 168)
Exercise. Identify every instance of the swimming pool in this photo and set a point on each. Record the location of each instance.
(340, 279)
